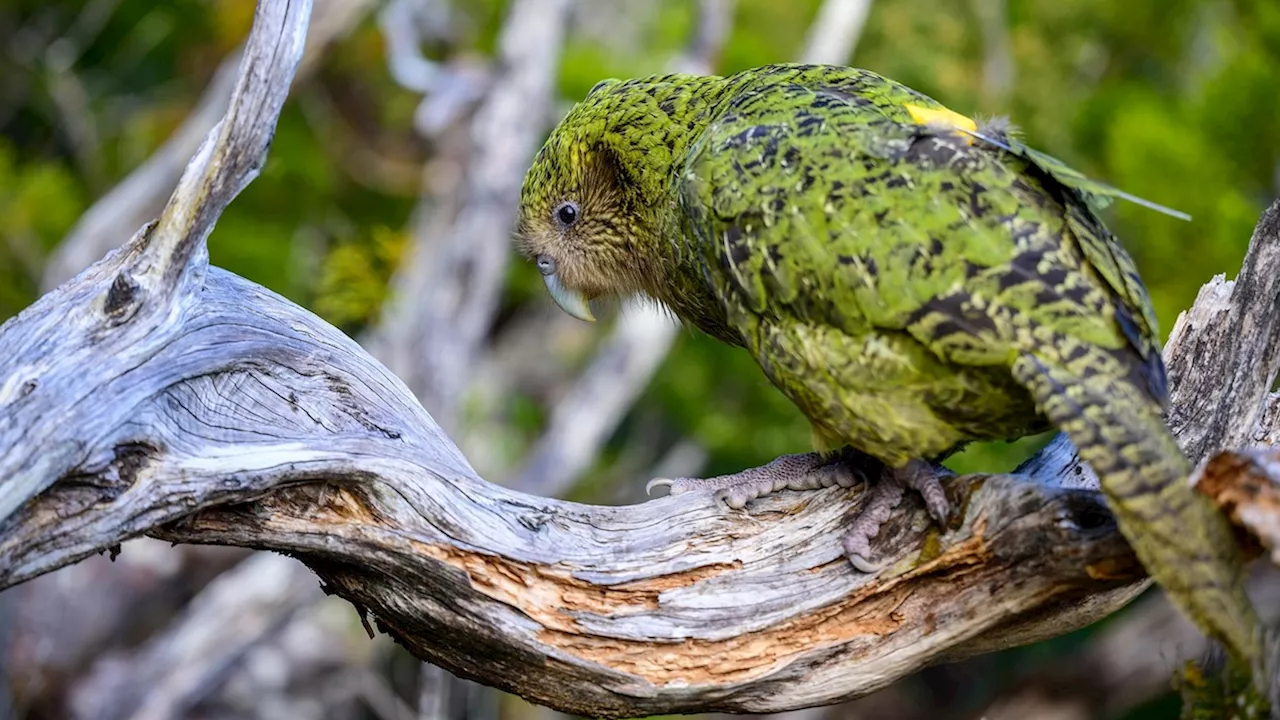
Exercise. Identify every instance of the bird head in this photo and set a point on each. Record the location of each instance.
(585, 218)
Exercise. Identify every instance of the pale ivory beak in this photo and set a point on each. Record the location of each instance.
(571, 301)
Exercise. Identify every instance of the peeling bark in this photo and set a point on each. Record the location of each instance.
(1246, 485)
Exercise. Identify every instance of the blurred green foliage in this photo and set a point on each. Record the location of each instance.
(38, 203)
(1173, 100)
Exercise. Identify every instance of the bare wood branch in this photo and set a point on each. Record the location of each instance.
(447, 292)
(231, 416)
(1246, 485)
(129, 305)
(672, 605)
(1209, 392)
(141, 195)
(604, 598)
(232, 154)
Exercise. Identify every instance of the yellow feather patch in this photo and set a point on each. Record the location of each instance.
(942, 116)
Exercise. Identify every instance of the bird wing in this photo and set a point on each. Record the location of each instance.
(824, 200)
(1103, 252)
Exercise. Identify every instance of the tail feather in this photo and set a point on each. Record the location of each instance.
(1179, 536)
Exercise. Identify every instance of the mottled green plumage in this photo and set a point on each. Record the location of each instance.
(911, 284)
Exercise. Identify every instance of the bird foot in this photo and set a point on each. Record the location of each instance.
(810, 471)
(807, 471)
(886, 495)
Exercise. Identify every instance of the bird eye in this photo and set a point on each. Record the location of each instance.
(567, 213)
(546, 265)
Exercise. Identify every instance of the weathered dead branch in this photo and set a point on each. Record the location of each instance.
(1220, 388)
(157, 395)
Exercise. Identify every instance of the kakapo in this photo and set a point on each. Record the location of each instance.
(911, 280)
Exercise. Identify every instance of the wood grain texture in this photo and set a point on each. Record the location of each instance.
(157, 395)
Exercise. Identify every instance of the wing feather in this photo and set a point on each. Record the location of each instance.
(827, 204)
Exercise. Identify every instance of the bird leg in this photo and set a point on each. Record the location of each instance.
(807, 471)
(885, 495)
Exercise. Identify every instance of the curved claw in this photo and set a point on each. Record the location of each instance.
(658, 482)
(862, 564)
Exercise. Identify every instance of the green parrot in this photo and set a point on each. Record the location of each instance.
(910, 280)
